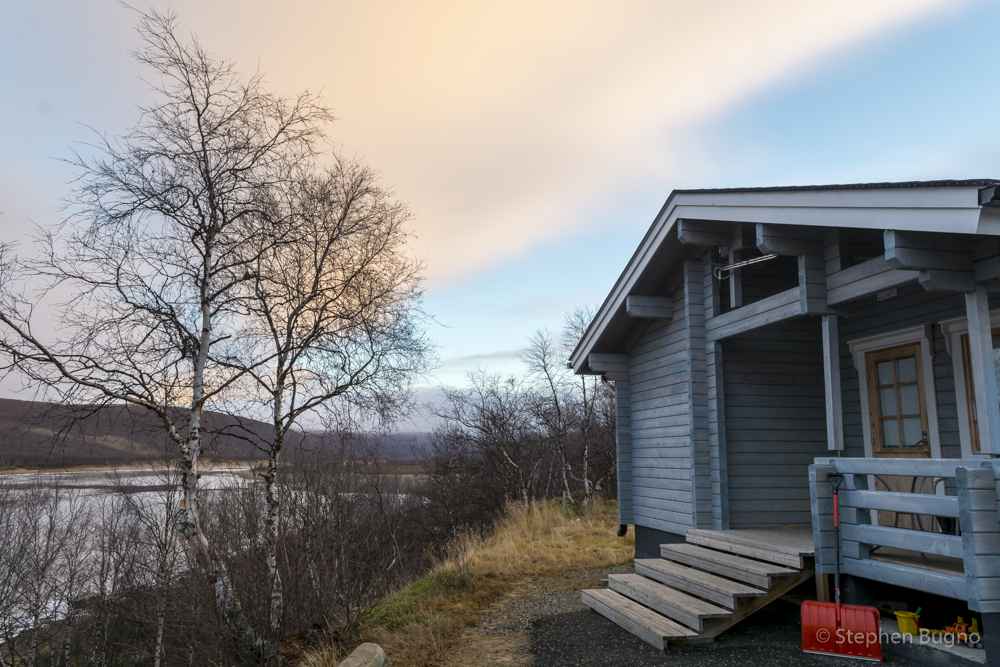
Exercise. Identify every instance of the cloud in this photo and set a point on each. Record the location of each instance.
(500, 123)
(475, 360)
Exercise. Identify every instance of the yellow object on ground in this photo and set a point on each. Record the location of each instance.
(907, 621)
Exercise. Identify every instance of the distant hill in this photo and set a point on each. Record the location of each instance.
(38, 434)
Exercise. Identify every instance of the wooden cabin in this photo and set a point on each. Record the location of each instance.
(764, 342)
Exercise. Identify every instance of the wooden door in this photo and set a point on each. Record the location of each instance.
(897, 403)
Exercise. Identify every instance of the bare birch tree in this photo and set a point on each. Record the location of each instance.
(154, 256)
(335, 310)
(160, 558)
(546, 367)
(573, 410)
(13, 558)
(493, 420)
(595, 413)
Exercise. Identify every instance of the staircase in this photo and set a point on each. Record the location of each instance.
(704, 586)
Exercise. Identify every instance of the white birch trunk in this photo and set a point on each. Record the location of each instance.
(277, 597)
(247, 639)
(160, 622)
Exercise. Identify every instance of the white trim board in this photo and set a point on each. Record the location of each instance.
(918, 334)
(953, 330)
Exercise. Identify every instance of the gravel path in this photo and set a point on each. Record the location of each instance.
(558, 631)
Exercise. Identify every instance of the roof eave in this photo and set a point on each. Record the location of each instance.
(954, 208)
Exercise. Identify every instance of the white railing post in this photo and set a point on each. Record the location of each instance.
(977, 507)
(821, 503)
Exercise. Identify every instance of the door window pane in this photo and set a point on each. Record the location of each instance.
(909, 399)
(906, 369)
(887, 397)
(912, 432)
(890, 433)
(885, 372)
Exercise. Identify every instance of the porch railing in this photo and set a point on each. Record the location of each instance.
(916, 556)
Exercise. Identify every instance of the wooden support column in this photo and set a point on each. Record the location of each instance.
(716, 406)
(694, 310)
(977, 310)
(831, 383)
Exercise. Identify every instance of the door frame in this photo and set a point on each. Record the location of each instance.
(860, 347)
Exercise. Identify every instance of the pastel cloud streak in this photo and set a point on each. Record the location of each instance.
(501, 123)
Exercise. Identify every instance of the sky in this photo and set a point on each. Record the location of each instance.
(535, 141)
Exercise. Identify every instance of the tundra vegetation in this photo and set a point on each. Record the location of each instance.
(217, 258)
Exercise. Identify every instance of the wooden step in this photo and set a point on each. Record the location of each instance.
(740, 549)
(790, 548)
(644, 623)
(731, 566)
(672, 603)
(719, 590)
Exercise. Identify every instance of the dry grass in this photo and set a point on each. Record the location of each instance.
(422, 623)
(324, 657)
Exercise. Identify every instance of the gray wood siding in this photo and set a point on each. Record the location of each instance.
(913, 306)
(662, 482)
(775, 422)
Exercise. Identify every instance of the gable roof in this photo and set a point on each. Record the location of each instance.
(969, 206)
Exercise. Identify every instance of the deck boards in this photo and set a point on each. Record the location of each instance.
(677, 605)
(748, 570)
(708, 586)
(646, 624)
(795, 540)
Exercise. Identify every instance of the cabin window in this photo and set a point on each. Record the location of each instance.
(970, 392)
(896, 397)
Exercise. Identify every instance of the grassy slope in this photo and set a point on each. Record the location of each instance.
(424, 623)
